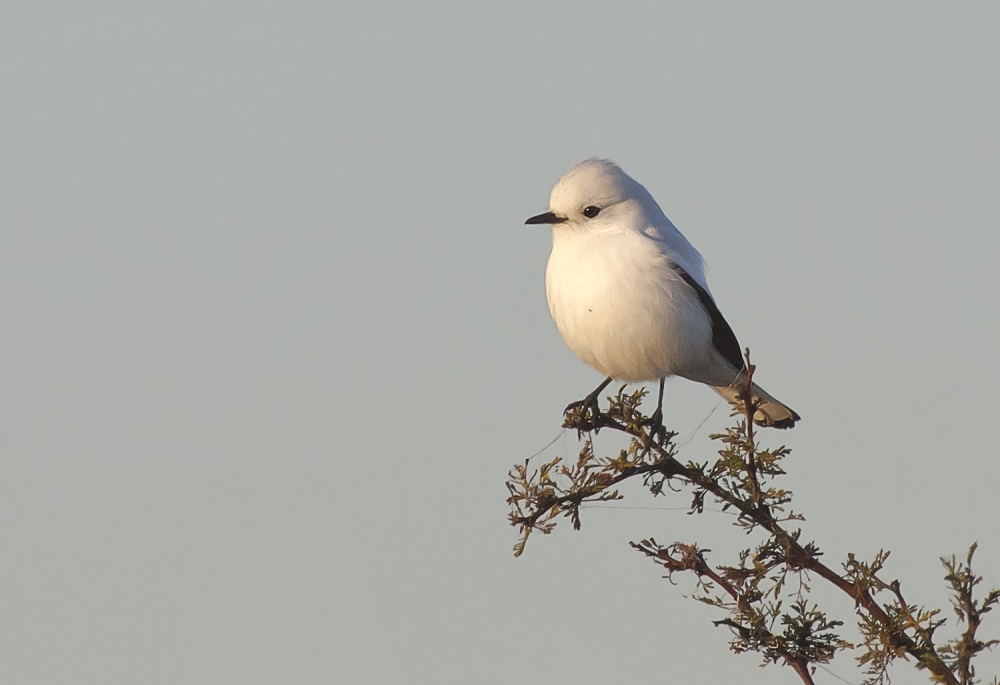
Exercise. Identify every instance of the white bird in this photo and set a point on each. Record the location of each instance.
(628, 292)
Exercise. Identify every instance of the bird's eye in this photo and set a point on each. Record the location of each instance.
(591, 211)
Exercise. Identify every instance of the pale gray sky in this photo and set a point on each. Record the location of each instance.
(274, 331)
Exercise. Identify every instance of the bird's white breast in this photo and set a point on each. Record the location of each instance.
(621, 307)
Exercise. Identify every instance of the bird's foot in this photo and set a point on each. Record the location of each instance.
(657, 432)
(583, 414)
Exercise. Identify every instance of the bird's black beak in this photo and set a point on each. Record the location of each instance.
(547, 218)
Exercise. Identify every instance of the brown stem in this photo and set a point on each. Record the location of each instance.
(749, 409)
(669, 466)
(967, 605)
(694, 561)
(801, 667)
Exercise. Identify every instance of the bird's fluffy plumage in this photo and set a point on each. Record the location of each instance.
(619, 288)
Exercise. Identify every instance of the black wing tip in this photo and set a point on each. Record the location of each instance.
(781, 424)
(784, 424)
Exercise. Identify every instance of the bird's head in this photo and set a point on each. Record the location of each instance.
(594, 193)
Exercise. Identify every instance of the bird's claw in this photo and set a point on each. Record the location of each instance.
(655, 425)
(579, 412)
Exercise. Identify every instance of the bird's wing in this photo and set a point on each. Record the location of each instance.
(675, 247)
(723, 338)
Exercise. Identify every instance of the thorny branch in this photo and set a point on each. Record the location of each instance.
(741, 479)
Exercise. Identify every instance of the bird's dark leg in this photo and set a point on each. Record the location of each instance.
(655, 421)
(590, 402)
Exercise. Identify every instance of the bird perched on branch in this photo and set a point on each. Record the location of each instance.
(628, 291)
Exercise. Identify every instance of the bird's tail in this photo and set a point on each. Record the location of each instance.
(770, 413)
